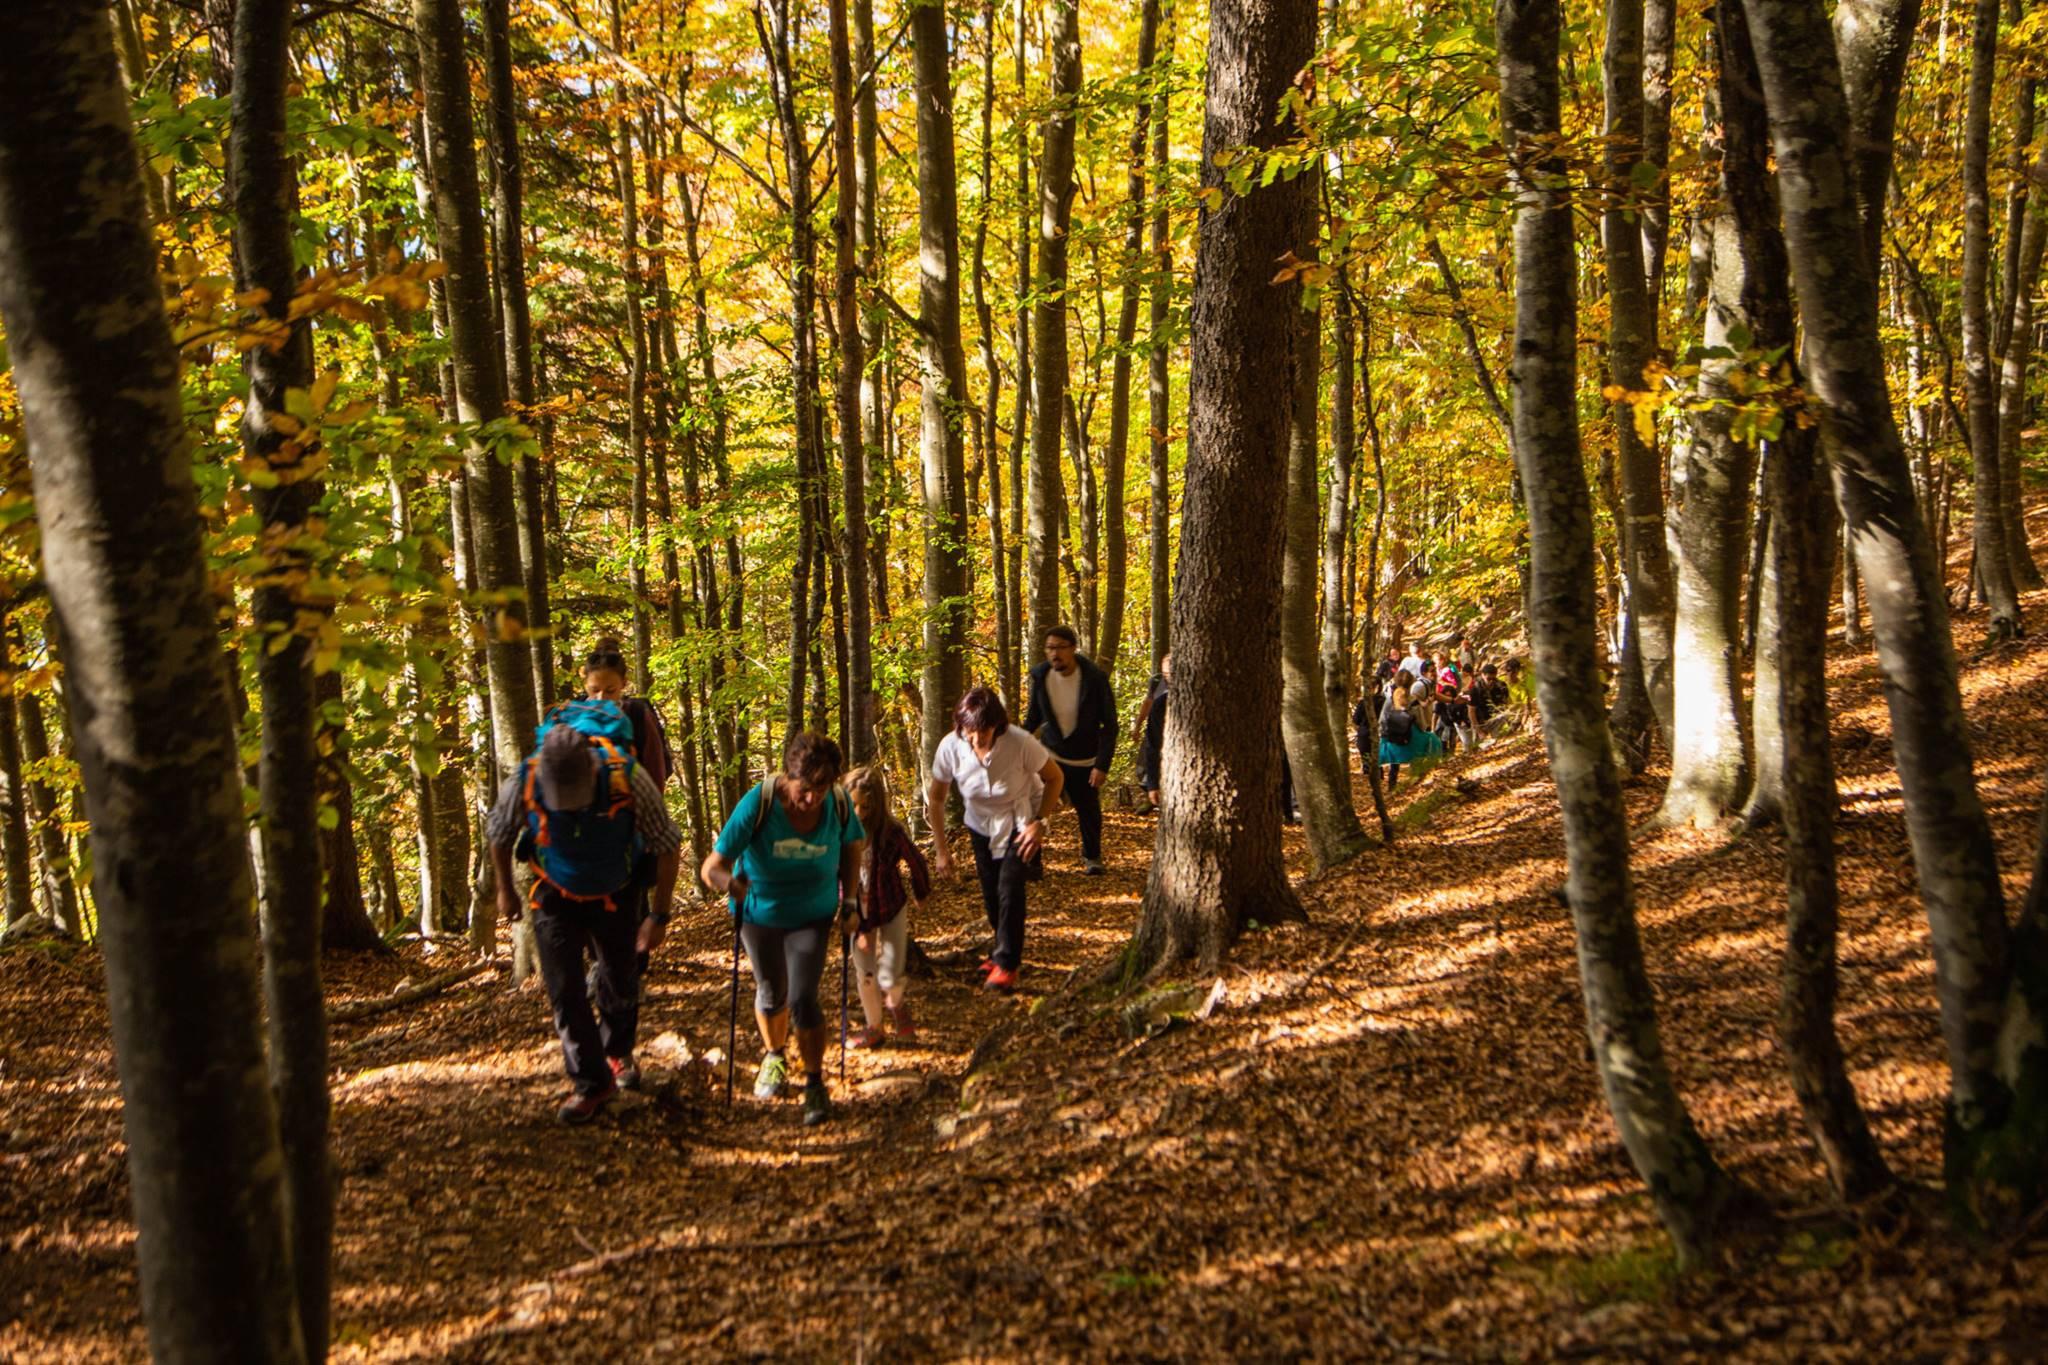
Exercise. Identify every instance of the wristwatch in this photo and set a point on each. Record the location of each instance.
(660, 917)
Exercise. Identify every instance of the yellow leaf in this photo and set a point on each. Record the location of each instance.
(323, 389)
(1646, 423)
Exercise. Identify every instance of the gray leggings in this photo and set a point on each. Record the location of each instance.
(788, 964)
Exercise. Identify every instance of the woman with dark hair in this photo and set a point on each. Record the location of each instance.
(1008, 783)
(604, 679)
(788, 862)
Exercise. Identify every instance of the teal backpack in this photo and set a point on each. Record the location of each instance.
(588, 854)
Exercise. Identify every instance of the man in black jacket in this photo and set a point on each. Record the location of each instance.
(1073, 712)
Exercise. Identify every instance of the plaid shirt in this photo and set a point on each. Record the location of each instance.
(881, 876)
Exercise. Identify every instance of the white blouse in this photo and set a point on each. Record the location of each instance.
(1002, 791)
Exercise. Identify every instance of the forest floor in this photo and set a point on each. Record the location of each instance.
(1385, 1140)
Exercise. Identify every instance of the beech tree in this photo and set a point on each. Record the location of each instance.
(80, 298)
(1049, 322)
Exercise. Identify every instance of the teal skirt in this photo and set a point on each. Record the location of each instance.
(1421, 744)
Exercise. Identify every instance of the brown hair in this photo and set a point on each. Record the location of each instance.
(868, 788)
(606, 654)
(1062, 632)
(981, 709)
(812, 758)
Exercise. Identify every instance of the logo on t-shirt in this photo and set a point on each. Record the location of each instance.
(798, 850)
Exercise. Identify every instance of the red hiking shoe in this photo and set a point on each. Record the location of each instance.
(626, 1072)
(865, 1038)
(905, 1030)
(581, 1108)
(1000, 979)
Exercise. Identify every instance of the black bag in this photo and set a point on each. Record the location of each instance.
(1400, 727)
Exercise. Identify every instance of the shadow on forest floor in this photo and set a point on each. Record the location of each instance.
(1386, 1141)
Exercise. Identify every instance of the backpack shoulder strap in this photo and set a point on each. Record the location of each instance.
(762, 807)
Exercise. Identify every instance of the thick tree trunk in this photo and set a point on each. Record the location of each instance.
(1158, 390)
(1645, 562)
(858, 697)
(1218, 862)
(1691, 1193)
(508, 219)
(1049, 316)
(479, 383)
(943, 404)
(1130, 274)
(1998, 1074)
(81, 301)
(1322, 779)
(1987, 487)
(262, 180)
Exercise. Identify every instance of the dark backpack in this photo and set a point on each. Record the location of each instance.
(1400, 727)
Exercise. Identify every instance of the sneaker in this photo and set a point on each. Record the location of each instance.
(582, 1108)
(905, 1030)
(1000, 979)
(867, 1037)
(817, 1104)
(626, 1072)
(771, 1082)
(1092, 867)
(988, 964)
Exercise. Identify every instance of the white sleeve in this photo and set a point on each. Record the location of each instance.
(942, 761)
(1034, 752)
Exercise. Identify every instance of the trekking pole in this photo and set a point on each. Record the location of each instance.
(845, 972)
(732, 1030)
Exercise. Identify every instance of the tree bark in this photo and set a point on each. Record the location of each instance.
(479, 383)
(1322, 779)
(1369, 742)
(60, 891)
(345, 923)
(2012, 392)
(263, 184)
(944, 402)
(1645, 563)
(1997, 1075)
(1049, 316)
(20, 871)
(1691, 1193)
(1337, 521)
(1987, 503)
(991, 435)
(859, 684)
(1158, 379)
(121, 550)
(1218, 862)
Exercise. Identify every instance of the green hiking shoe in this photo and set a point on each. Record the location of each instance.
(771, 1082)
(817, 1104)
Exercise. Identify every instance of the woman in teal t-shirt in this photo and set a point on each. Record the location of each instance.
(786, 875)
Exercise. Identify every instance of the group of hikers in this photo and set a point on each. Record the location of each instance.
(810, 854)
(1426, 705)
(814, 852)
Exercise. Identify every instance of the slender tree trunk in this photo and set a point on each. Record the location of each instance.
(345, 924)
(121, 549)
(20, 870)
(1049, 321)
(1691, 1193)
(2012, 395)
(479, 386)
(1987, 514)
(1660, 22)
(1022, 416)
(1322, 780)
(60, 892)
(858, 696)
(991, 437)
(1130, 276)
(508, 215)
(1158, 379)
(1369, 741)
(1217, 862)
(1337, 521)
(1630, 335)
(944, 403)
(1998, 1074)
(262, 180)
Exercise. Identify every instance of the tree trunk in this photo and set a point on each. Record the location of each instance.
(20, 871)
(1646, 564)
(943, 403)
(1660, 22)
(60, 892)
(1996, 1112)
(262, 180)
(1158, 379)
(1322, 780)
(1130, 275)
(2012, 396)
(345, 923)
(1987, 506)
(508, 217)
(1369, 741)
(858, 694)
(1020, 494)
(1218, 861)
(1049, 316)
(479, 383)
(991, 435)
(1337, 521)
(121, 553)
(1689, 1190)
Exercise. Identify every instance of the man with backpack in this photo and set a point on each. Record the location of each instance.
(581, 811)
(1073, 713)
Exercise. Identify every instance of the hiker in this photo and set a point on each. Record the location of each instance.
(1008, 783)
(1422, 695)
(581, 810)
(1150, 732)
(786, 862)
(1073, 713)
(1412, 665)
(1403, 738)
(1453, 715)
(1488, 697)
(881, 932)
(604, 679)
(1389, 666)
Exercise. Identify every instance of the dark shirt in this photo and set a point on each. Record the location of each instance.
(889, 852)
(1155, 719)
(1093, 739)
(1486, 698)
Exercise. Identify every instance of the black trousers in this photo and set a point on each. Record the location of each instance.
(562, 928)
(1086, 799)
(1002, 896)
